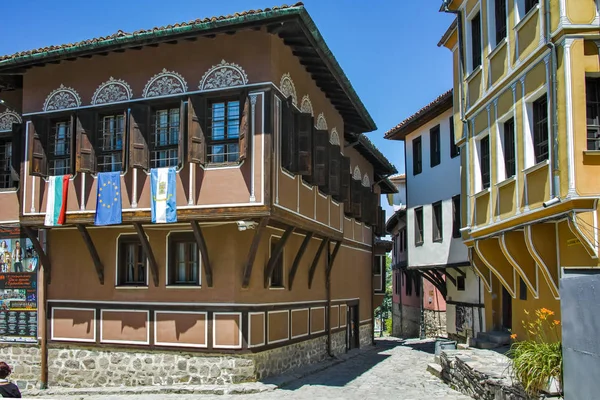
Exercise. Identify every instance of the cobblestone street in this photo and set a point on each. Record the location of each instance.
(391, 370)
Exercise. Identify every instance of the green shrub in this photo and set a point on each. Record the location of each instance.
(388, 326)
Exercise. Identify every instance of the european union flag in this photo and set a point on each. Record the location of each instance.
(108, 201)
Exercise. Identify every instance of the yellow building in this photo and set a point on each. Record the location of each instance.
(527, 90)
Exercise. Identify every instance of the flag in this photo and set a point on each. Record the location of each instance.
(163, 202)
(56, 203)
(108, 199)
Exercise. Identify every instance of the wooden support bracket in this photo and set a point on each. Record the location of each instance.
(148, 251)
(276, 254)
(313, 267)
(252, 252)
(298, 258)
(203, 252)
(441, 286)
(450, 277)
(460, 271)
(45, 260)
(332, 257)
(85, 235)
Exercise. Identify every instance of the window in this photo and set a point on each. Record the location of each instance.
(437, 221)
(434, 146)
(509, 148)
(456, 222)
(377, 267)
(522, 289)
(460, 283)
(110, 146)
(165, 137)
(404, 239)
(184, 259)
(484, 161)
(454, 149)
(408, 288)
(476, 41)
(500, 19)
(223, 146)
(419, 226)
(417, 156)
(529, 4)
(59, 148)
(277, 275)
(132, 265)
(540, 129)
(6, 176)
(592, 92)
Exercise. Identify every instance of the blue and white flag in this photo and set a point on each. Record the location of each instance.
(163, 202)
(108, 199)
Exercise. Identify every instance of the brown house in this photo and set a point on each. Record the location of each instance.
(269, 264)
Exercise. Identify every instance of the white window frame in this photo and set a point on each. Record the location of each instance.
(477, 173)
(168, 284)
(491, 23)
(520, 13)
(500, 164)
(474, 11)
(528, 145)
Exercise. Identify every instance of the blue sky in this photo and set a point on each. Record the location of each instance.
(387, 48)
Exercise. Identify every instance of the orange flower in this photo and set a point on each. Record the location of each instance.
(556, 322)
(513, 336)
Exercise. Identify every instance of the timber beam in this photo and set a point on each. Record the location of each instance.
(313, 267)
(434, 279)
(85, 235)
(201, 243)
(332, 257)
(298, 258)
(148, 251)
(252, 252)
(40, 251)
(450, 277)
(276, 255)
(460, 271)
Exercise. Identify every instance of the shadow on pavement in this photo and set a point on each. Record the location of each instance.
(426, 347)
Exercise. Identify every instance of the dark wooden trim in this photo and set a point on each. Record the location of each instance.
(460, 271)
(450, 277)
(148, 250)
(462, 303)
(252, 252)
(313, 267)
(276, 255)
(435, 281)
(41, 253)
(332, 257)
(203, 252)
(298, 258)
(85, 235)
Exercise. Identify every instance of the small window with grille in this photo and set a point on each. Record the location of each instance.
(592, 93)
(224, 122)
(111, 129)
(165, 138)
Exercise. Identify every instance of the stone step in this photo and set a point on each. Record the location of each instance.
(499, 337)
(484, 344)
(435, 370)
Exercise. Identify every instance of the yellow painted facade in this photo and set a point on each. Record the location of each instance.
(515, 242)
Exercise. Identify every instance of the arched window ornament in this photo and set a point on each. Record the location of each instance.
(334, 138)
(366, 182)
(112, 91)
(62, 98)
(357, 176)
(321, 122)
(165, 83)
(223, 75)
(7, 118)
(306, 105)
(288, 88)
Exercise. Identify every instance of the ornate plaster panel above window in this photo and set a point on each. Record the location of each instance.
(357, 175)
(306, 105)
(321, 122)
(62, 98)
(164, 84)
(288, 88)
(223, 75)
(112, 91)
(334, 138)
(7, 118)
(366, 182)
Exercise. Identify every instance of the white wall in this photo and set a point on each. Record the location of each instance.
(473, 294)
(439, 183)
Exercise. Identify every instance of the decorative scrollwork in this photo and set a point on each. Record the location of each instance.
(165, 83)
(288, 88)
(356, 175)
(366, 182)
(223, 75)
(306, 105)
(321, 122)
(62, 98)
(8, 118)
(112, 91)
(334, 138)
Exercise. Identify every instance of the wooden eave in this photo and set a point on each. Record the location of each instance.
(426, 116)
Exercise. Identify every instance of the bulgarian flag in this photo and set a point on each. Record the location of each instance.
(56, 204)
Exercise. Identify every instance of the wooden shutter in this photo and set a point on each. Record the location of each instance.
(84, 142)
(334, 170)
(304, 128)
(244, 132)
(16, 156)
(345, 180)
(374, 205)
(381, 222)
(182, 132)
(196, 124)
(38, 137)
(365, 205)
(139, 127)
(357, 199)
(320, 164)
(289, 160)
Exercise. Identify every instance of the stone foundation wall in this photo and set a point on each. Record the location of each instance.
(365, 335)
(396, 320)
(25, 363)
(411, 317)
(435, 323)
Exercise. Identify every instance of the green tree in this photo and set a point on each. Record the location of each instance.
(384, 311)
